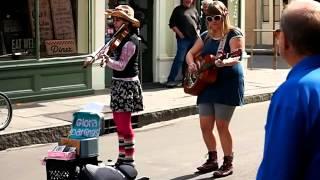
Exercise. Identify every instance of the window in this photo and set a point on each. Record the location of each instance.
(277, 10)
(265, 8)
(15, 30)
(58, 24)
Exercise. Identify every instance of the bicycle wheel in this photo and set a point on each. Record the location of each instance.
(5, 111)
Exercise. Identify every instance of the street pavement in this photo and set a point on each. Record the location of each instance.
(169, 150)
(46, 121)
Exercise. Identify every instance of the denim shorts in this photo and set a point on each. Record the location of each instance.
(219, 111)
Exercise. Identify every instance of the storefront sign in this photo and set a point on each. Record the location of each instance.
(46, 29)
(18, 45)
(62, 19)
(60, 47)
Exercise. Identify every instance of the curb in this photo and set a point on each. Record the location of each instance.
(53, 134)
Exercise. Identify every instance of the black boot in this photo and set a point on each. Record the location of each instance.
(124, 162)
(210, 165)
(226, 169)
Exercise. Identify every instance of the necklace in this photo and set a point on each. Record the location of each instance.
(216, 38)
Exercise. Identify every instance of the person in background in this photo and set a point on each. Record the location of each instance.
(292, 130)
(184, 21)
(204, 7)
(126, 90)
(217, 102)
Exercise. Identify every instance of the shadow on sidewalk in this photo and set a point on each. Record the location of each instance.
(194, 175)
(186, 177)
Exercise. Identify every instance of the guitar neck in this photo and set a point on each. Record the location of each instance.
(224, 56)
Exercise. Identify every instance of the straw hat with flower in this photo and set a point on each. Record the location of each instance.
(125, 12)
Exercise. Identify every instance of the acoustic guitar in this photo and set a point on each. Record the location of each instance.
(195, 82)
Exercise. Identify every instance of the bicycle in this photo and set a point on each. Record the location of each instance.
(5, 111)
(5, 103)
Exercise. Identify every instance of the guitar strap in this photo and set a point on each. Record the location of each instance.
(221, 45)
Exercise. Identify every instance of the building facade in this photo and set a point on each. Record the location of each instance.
(43, 44)
(159, 43)
(261, 22)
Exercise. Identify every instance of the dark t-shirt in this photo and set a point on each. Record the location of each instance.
(186, 20)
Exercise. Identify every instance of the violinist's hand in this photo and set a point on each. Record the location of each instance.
(87, 61)
(192, 67)
(104, 61)
(219, 63)
(104, 53)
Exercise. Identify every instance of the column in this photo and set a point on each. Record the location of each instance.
(98, 31)
(164, 46)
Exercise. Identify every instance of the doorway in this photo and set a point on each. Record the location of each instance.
(144, 13)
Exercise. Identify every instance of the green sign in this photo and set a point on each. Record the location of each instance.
(86, 125)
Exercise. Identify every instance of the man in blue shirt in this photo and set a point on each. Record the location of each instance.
(292, 139)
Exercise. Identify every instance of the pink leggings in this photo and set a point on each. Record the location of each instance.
(125, 136)
(123, 123)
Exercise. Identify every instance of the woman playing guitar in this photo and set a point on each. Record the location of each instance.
(218, 100)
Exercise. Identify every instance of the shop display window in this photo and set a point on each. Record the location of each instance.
(57, 23)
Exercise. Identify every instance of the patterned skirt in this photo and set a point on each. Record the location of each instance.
(126, 96)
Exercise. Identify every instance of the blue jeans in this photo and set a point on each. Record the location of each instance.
(183, 46)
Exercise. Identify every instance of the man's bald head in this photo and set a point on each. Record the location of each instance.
(303, 4)
(300, 23)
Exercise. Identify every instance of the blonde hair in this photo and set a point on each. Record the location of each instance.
(218, 8)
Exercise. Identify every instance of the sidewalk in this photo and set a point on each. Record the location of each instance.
(47, 121)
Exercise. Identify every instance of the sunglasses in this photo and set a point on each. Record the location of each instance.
(215, 17)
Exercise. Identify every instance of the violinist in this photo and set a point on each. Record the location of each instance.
(126, 91)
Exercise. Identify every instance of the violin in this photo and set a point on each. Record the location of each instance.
(108, 48)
